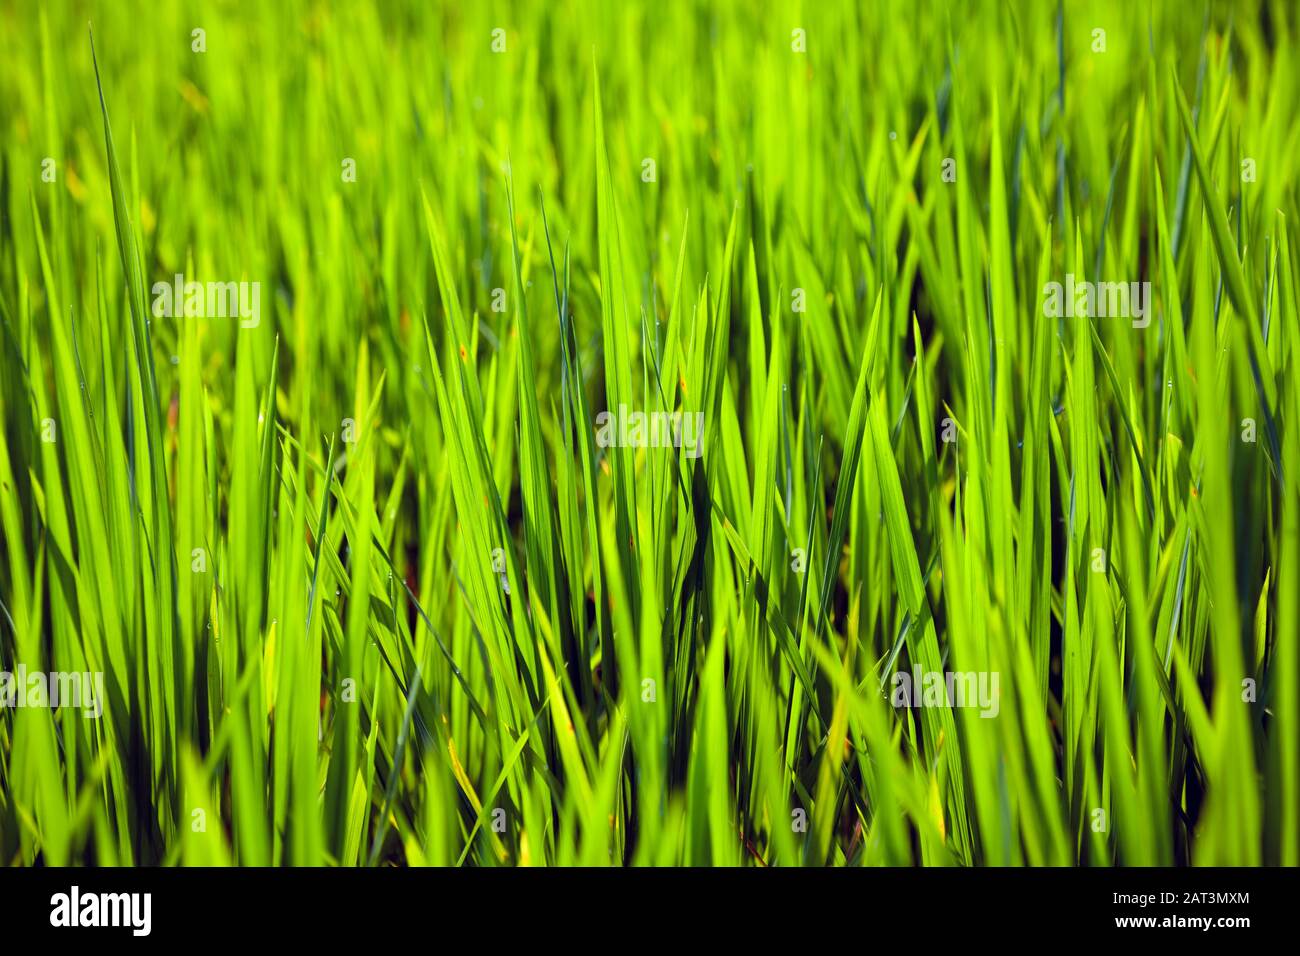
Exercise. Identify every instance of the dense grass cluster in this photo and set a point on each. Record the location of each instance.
(365, 581)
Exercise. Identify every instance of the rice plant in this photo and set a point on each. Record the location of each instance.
(649, 433)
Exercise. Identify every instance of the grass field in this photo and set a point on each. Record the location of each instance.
(351, 363)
